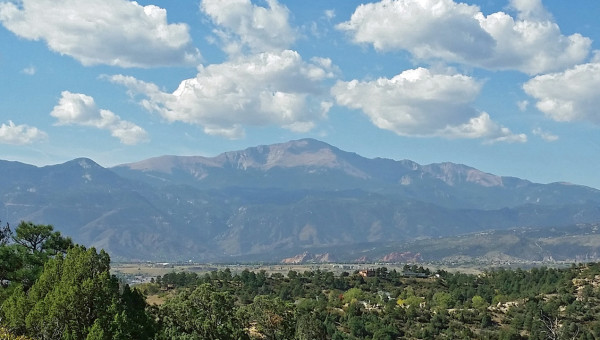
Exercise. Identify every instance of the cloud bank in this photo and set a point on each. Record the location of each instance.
(276, 88)
(80, 109)
(568, 96)
(112, 32)
(20, 134)
(457, 32)
(244, 25)
(421, 103)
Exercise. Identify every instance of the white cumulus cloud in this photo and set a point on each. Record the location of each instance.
(456, 32)
(243, 24)
(595, 56)
(80, 109)
(275, 88)
(530, 9)
(20, 134)
(572, 95)
(419, 102)
(112, 32)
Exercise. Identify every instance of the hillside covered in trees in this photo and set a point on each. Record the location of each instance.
(54, 289)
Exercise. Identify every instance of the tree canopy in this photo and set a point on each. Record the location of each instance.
(54, 289)
(24, 251)
(74, 296)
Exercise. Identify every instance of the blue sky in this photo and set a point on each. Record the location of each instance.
(509, 87)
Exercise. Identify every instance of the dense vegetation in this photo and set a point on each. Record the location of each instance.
(53, 289)
(541, 303)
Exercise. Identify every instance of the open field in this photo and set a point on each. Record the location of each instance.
(143, 272)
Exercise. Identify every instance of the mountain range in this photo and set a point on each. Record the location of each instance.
(274, 201)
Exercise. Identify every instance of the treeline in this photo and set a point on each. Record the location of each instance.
(73, 296)
(542, 303)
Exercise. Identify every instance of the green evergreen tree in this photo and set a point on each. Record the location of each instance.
(24, 252)
(202, 313)
(76, 294)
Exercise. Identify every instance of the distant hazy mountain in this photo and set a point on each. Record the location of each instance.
(276, 199)
(313, 165)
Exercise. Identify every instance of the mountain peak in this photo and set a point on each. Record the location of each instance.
(316, 164)
(296, 153)
(289, 154)
(81, 162)
(307, 144)
(79, 171)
